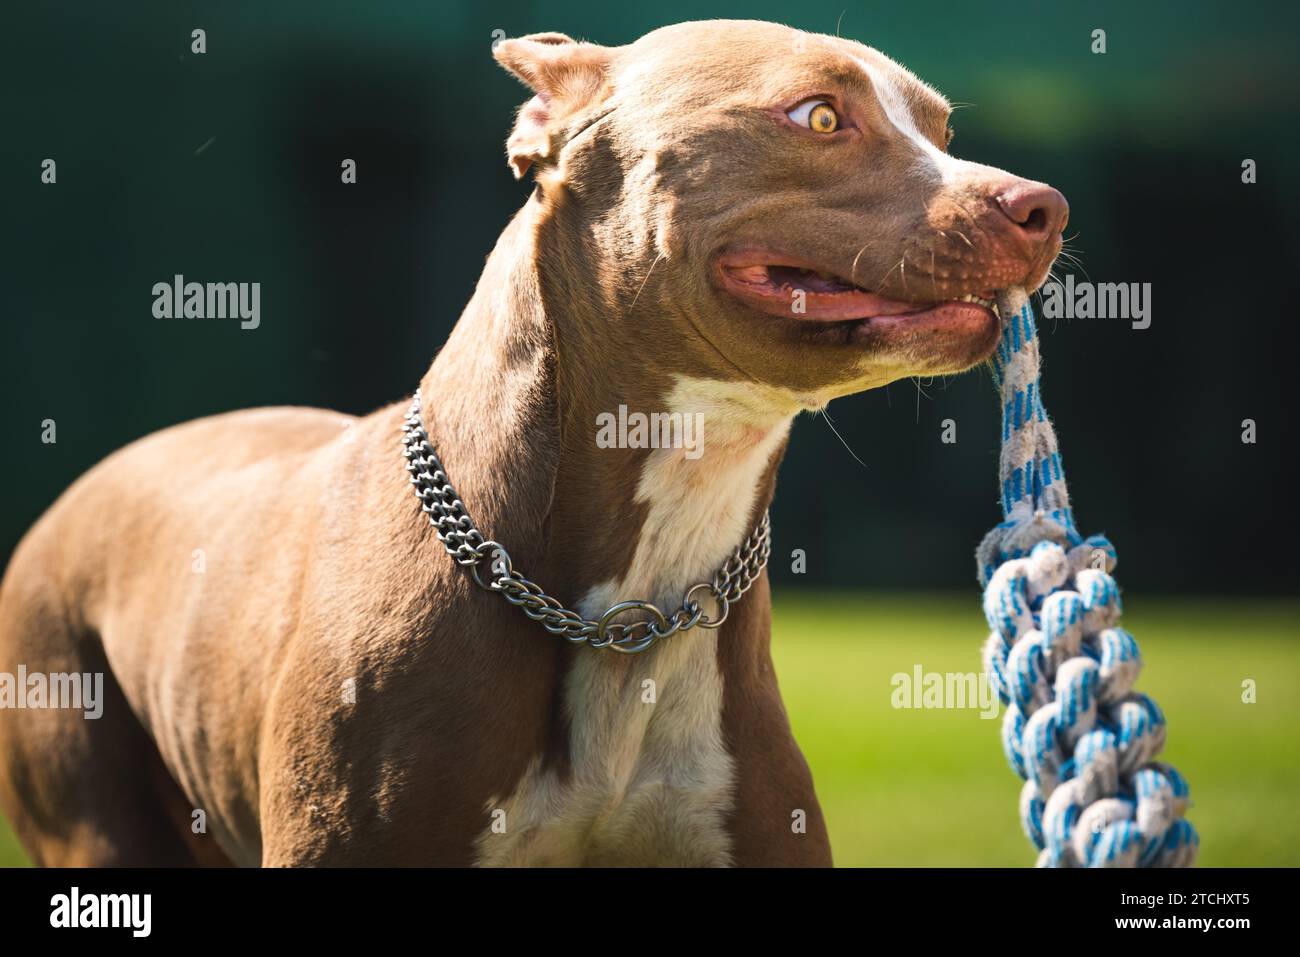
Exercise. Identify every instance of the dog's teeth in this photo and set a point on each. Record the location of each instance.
(977, 300)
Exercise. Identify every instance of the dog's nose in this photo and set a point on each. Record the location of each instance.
(1037, 212)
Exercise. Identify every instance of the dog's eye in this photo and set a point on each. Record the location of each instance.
(817, 115)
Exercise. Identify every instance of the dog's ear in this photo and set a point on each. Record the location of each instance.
(565, 75)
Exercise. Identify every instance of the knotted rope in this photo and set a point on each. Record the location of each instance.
(1074, 729)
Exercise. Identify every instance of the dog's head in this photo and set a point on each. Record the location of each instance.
(789, 198)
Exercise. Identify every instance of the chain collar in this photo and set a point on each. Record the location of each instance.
(467, 546)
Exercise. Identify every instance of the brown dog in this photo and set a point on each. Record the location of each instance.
(731, 219)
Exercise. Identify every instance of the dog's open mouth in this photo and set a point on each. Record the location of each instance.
(776, 286)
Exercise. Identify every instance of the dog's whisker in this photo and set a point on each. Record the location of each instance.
(646, 279)
(841, 438)
(1073, 262)
(920, 391)
(881, 281)
(965, 238)
(853, 270)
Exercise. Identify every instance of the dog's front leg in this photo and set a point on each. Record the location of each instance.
(775, 819)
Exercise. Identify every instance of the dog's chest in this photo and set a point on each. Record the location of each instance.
(649, 780)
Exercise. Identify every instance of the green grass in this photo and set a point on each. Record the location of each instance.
(11, 853)
(930, 787)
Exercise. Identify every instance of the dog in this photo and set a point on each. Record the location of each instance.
(736, 220)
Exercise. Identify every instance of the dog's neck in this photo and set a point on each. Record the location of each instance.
(514, 404)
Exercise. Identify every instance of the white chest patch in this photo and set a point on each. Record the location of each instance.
(650, 780)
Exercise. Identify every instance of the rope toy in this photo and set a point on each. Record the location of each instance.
(1082, 739)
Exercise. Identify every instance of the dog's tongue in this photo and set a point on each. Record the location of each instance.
(826, 298)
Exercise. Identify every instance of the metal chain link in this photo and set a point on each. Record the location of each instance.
(467, 546)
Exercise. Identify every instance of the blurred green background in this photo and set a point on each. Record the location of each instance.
(226, 166)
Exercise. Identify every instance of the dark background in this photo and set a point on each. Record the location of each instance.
(225, 167)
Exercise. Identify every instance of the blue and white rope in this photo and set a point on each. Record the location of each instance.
(1082, 739)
